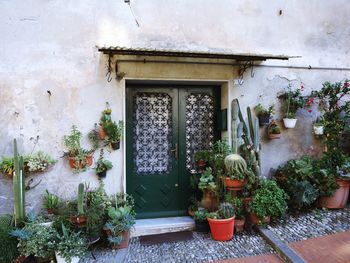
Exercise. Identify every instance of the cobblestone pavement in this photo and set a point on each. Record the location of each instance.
(312, 224)
(202, 248)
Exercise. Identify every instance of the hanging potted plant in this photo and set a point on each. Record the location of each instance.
(105, 118)
(268, 201)
(236, 170)
(51, 202)
(201, 158)
(200, 219)
(222, 222)
(80, 218)
(273, 131)
(102, 166)
(79, 158)
(318, 126)
(113, 133)
(239, 212)
(293, 101)
(208, 186)
(264, 114)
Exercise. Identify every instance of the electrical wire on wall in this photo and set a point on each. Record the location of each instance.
(132, 12)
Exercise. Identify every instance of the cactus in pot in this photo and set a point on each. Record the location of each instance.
(80, 219)
(18, 187)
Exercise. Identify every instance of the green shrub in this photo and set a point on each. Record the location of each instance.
(8, 243)
(201, 214)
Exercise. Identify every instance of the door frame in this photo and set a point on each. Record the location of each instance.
(197, 87)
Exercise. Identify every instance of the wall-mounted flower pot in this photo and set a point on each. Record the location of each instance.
(239, 225)
(234, 184)
(102, 133)
(264, 119)
(222, 229)
(210, 201)
(255, 220)
(102, 174)
(115, 145)
(202, 226)
(273, 136)
(289, 123)
(88, 162)
(339, 199)
(318, 130)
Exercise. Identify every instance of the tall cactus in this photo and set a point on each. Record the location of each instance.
(18, 186)
(81, 199)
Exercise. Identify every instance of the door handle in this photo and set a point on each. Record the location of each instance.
(175, 151)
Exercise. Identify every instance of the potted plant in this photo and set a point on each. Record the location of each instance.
(318, 126)
(105, 118)
(50, 202)
(70, 246)
(273, 131)
(268, 201)
(102, 166)
(80, 219)
(208, 186)
(113, 133)
(264, 114)
(294, 100)
(236, 170)
(201, 158)
(121, 220)
(200, 219)
(78, 157)
(239, 212)
(222, 222)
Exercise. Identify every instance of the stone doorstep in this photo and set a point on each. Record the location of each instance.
(144, 227)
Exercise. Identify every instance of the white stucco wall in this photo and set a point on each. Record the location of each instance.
(51, 45)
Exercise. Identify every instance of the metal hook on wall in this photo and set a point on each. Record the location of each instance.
(109, 69)
(242, 69)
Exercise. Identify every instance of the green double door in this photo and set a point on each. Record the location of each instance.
(165, 126)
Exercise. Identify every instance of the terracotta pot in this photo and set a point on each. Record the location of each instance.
(273, 136)
(246, 201)
(255, 220)
(79, 221)
(81, 165)
(201, 164)
(202, 226)
(234, 184)
(190, 212)
(21, 259)
(102, 133)
(239, 225)
(125, 240)
(339, 199)
(289, 123)
(50, 211)
(210, 201)
(222, 229)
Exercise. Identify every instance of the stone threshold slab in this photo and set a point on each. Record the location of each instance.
(144, 227)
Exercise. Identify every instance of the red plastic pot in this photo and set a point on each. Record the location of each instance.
(234, 184)
(222, 229)
(339, 199)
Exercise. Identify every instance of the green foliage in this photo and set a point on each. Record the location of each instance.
(203, 155)
(51, 201)
(235, 166)
(70, 244)
(81, 197)
(207, 181)
(226, 210)
(237, 204)
(8, 247)
(72, 142)
(18, 186)
(39, 162)
(261, 110)
(218, 153)
(7, 165)
(269, 200)
(102, 164)
(274, 128)
(305, 194)
(113, 131)
(201, 214)
(293, 101)
(94, 137)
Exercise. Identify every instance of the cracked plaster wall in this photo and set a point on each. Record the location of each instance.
(50, 45)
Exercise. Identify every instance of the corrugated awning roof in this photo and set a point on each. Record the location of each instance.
(190, 53)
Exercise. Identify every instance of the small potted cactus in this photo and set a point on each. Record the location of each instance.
(50, 202)
(236, 170)
(237, 203)
(273, 131)
(222, 222)
(80, 219)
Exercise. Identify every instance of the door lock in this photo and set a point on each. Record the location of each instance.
(176, 151)
(176, 185)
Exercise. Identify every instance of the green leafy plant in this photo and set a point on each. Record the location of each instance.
(94, 137)
(261, 110)
(237, 204)
(293, 101)
(201, 214)
(274, 128)
(207, 181)
(202, 156)
(102, 164)
(7, 165)
(8, 247)
(217, 156)
(269, 200)
(113, 131)
(225, 211)
(51, 201)
(70, 244)
(39, 162)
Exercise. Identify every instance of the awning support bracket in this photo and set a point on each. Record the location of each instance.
(109, 68)
(243, 68)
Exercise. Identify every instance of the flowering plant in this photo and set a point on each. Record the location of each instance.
(294, 101)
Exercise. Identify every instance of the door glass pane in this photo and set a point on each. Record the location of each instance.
(199, 125)
(152, 133)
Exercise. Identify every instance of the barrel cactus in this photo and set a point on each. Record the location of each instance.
(236, 166)
(226, 210)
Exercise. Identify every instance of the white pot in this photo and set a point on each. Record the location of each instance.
(289, 123)
(60, 259)
(318, 130)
